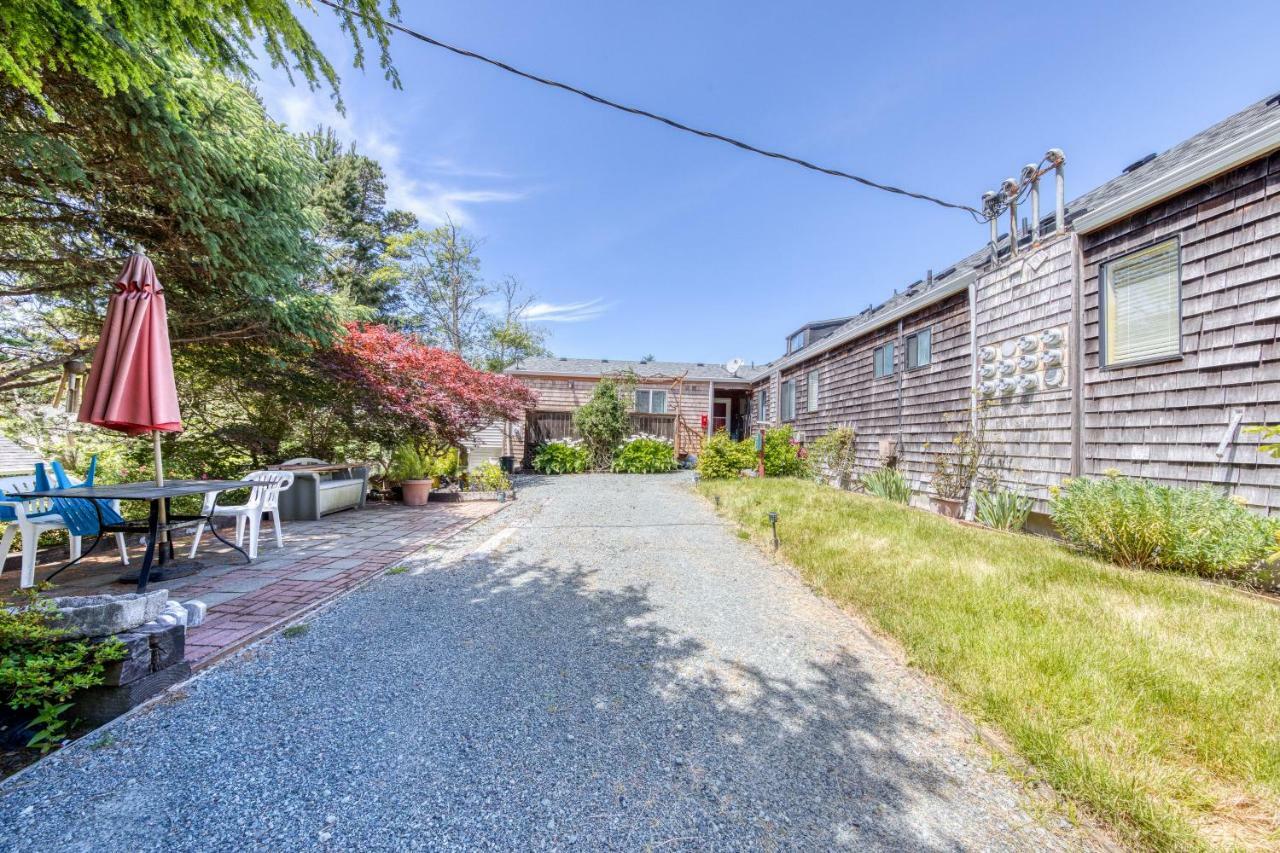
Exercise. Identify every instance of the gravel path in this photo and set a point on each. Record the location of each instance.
(604, 664)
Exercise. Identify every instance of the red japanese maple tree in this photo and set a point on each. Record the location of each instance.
(404, 389)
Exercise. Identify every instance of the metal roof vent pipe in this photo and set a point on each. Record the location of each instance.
(1031, 175)
(990, 209)
(1009, 189)
(1058, 161)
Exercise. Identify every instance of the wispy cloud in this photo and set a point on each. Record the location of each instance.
(434, 189)
(569, 312)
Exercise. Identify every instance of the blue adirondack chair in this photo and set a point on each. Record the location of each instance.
(80, 515)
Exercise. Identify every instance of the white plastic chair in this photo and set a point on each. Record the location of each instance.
(262, 499)
(31, 518)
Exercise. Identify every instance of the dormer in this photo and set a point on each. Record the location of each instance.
(811, 333)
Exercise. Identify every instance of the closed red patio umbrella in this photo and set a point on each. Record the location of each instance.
(130, 386)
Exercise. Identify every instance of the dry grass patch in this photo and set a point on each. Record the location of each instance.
(1151, 698)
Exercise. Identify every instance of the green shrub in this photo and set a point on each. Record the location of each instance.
(407, 464)
(645, 454)
(832, 456)
(603, 421)
(1141, 524)
(41, 669)
(782, 455)
(563, 456)
(887, 483)
(722, 458)
(489, 477)
(1002, 510)
(446, 464)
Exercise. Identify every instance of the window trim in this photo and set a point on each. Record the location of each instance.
(1104, 332)
(893, 361)
(906, 348)
(648, 409)
(811, 386)
(762, 406)
(782, 396)
(804, 341)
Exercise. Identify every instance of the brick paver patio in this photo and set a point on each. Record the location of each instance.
(320, 560)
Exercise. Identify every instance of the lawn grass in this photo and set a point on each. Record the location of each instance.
(1150, 698)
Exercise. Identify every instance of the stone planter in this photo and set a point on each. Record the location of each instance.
(100, 615)
(416, 492)
(449, 496)
(949, 507)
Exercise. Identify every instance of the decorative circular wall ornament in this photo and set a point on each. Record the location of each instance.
(1053, 377)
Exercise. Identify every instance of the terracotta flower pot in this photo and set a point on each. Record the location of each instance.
(416, 492)
(950, 507)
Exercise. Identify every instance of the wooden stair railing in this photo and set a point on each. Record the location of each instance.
(689, 440)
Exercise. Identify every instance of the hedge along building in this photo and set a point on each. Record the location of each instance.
(1134, 329)
(682, 401)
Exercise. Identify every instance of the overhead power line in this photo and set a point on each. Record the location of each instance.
(706, 134)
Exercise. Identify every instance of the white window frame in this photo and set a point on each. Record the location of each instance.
(811, 391)
(787, 401)
(1106, 305)
(648, 407)
(912, 345)
(877, 360)
(792, 346)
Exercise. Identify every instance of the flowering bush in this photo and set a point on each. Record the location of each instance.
(562, 456)
(1144, 525)
(645, 454)
(783, 457)
(722, 458)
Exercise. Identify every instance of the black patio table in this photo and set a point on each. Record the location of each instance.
(153, 495)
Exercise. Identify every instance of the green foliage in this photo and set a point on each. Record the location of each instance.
(887, 483)
(445, 464)
(355, 226)
(723, 458)
(1002, 510)
(970, 459)
(782, 455)
(1144, 525)
(397, 570)
(490, 477)
(113, 46)
(217, 194)
(832, 456)
(603, 421)
(645, 455)
(407, 463)
(41, 668)
(561, 457)
(1270, 438)
(295, 631)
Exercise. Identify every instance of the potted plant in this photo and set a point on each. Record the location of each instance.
(950, 483)
(409, 468)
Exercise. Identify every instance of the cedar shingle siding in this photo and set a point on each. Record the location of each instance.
(1164, 421)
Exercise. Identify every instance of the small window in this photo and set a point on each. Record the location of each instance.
(763, 400)
(919, 349)
(883, 358)
(811, 390)
(651, 402)
(1142, 305)
(787, 400)
(795, 342)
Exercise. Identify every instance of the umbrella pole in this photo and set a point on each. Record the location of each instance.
(155, 447)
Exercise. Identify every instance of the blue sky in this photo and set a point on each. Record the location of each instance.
(638, 239)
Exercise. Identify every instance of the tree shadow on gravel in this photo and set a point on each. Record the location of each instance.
(634, 735)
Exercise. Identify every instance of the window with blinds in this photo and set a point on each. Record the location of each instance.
(1141, 305)
(811, 390)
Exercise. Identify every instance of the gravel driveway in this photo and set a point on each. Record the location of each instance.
(604, 664)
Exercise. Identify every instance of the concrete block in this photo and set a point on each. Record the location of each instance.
(102, 615)
(173, 614)
(196, 611)
(98, 705)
